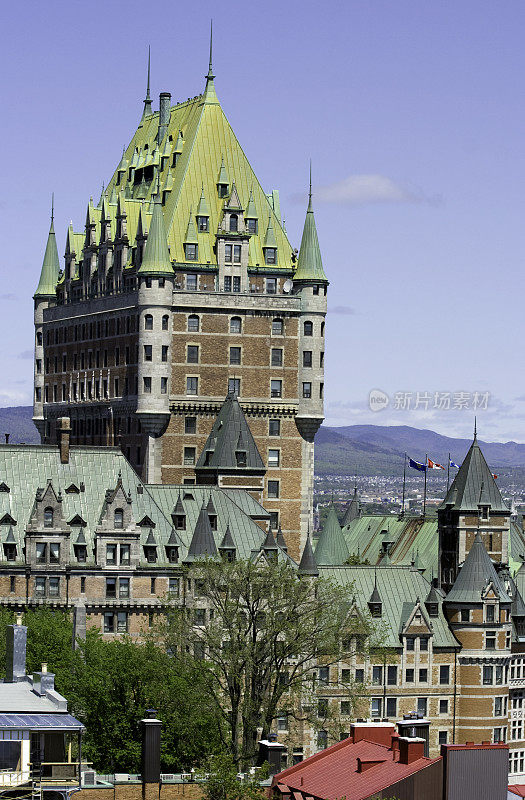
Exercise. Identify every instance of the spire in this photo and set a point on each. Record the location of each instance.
(281, 541)
(227, 540)
(156, 259)
(474, 484)
(147, 102)
(210, 95)
(352, 510)
(475, 428)
(307, 565)
(269, 239)
(309, 261)
(51, 264)
(220, 450)
(251, 208)
(269, 543)
(191, 231)
(202, 543)
(331, 550)
(202, 208)
(375, 603)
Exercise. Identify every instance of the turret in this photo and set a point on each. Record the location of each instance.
(45, 296)
(155, 291)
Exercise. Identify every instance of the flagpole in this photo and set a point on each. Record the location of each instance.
(425, 490)
(404, 479)
(448, 472)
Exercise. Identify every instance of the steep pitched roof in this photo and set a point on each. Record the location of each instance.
(202, 544)
(222, 444)
(156, 259)
(331, 547)
(352, 510)
(474, 485)
(307, 565)
(309, 261)
(50, 267)
(475, 575)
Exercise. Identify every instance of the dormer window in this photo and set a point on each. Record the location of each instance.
(81, 553)
(150, 551)
(234, 223)
(48, 518)
(118, 519)
(375, 609)
(203, 224)
(240, 457)
(270, 255)
(173, 554)
(180, 522)
(484, 512)
(10, 552)
(222, 189)
(433, 609)
(190, 251)
(251, 225)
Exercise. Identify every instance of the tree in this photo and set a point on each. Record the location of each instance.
(221, 781)
(268, 630)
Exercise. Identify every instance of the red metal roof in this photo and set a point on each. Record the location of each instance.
(518, 789)
(332, 773)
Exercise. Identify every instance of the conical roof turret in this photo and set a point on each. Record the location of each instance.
(147, 102)
(307, 564)
(352, 510)
(156, 259)
(474, 485)
(331, 550)
(210, 95)
(202, 208)
(309, 261)
(251, 208)
(476, 574)
(191, 231)
(269, 239)
(50, 266)
(202, 543)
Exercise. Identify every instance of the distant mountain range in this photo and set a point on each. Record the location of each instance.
(379, 450)
(349, 450)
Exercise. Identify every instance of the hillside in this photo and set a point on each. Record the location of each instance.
(17, 422)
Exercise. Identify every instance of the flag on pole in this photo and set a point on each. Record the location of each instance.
(416, 465)
(433, 464)
(494, 476)
(453, 464)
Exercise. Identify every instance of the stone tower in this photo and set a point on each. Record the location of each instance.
(184, 288)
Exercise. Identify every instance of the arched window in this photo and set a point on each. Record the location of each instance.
(165, 322)
(48, 518)
(234, 222)
(235, 325)
(119, 518)
(322, 328)
(193, 322)
(277, 327)
(148, 322)
(308, 328)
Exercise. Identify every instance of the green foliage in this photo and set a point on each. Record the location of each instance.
(355, 560)
(221, 781)
(269, 631)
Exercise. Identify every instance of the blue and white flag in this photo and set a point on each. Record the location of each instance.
(416, 465)
(453, 464)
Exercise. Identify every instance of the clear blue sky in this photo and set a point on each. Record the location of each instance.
(414, 116)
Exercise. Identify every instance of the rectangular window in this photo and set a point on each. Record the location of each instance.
(274, 458)
(490, 640)
(422, 706)
(270, 255)
(236, 283)
(444, 673)
(152, 585)
(465, 615)
(409, 675)
(489, 613)
(324, 675)
(273, 489)
(410, 643)
(271, 285)
(498, 676)
(199, 617)
(236, 254)
(391, 675)
(228, 251)
(274, 427)
(111, 554)
(235, 355)
(123, 587)
(124, 555)
(163, 385)
(391, 707)
(487, 676)
(203, 224)
(192, 386)
(234, 386)
(307, 389)
(40, 587)
(227, 283)
(276, 388)
(443, 706)
(442, 737)
(423, 644)
(41, 553)
(174, 586)
(193, 354)
(146, 384)
(164, 352)
(54, 553)
(191, 255)
(189, 456)
(54, 587)
(498, 706)
(375, 707)
(122, 622)
(423, 675)
(377, 675)
(111, 587)
(251, 225)
(307, 358)
(191, 283)
(359, 675)
(277, 357)
(148, 352)
(190, 424)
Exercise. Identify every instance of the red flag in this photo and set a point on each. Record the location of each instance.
(434, 464)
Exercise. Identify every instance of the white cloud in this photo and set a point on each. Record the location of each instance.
(363, 189)
(344, 310)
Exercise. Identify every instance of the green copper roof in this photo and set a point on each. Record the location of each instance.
(309, 261)
(202, 208)
(352, 510)
(307, 564)
(156, 257)
(50, 266)
(191, 231)
(475, 576)
(202, 544)
(179, 144)
(223, 173)
(251, 209)
(474, 485)
(229, 435)
(269, 239)
(331, 547)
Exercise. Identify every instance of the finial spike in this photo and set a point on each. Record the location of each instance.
(310, 189)
(149, 65)
(210, 70)
(52, 207)
(475, 427)
(147, 101)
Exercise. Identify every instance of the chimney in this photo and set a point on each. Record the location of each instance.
(16, 641)
(271, 750)
(43, 681)
(366, 763)
(164, 115)
(410, 749)
(378, 732)
(151, 747)
(64, 433)
(6, 437)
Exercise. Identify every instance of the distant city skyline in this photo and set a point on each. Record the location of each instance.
(414, 119)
